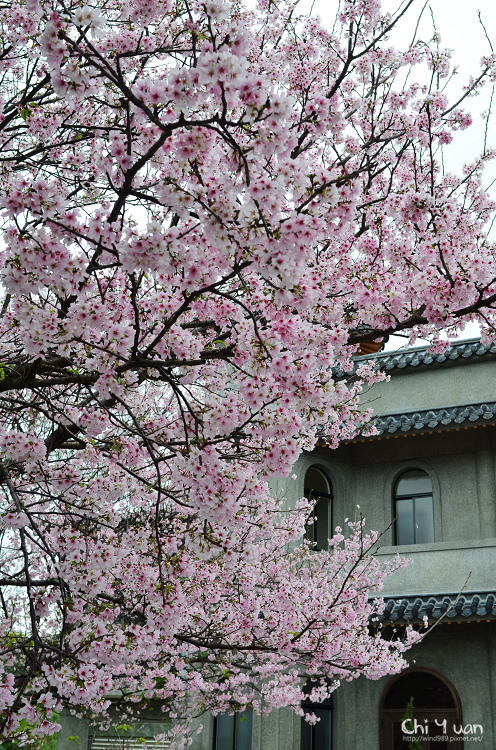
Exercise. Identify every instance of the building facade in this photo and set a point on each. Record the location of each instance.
(428, 480)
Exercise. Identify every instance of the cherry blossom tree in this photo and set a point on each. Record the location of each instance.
(206, 209)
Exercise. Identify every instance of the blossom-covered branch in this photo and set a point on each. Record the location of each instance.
(205, 208)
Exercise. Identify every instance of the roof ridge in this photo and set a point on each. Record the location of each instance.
(443, 415)
(423, 356)
(474, 605)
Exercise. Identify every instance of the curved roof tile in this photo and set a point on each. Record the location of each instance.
(422, 356)
(413, 609)
(434, 418)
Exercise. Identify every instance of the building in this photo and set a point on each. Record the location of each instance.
(428, 478)
(432, 467)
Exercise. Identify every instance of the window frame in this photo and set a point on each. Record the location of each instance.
(234, 739)
(309, 739)
(389, 717)
(312, 530)
(413, 496)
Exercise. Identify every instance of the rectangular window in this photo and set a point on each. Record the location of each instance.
(424, 521)
(413, 508)
(233, 731)
(404, 522)
(317, 736)
(318, 489)
(414, 520)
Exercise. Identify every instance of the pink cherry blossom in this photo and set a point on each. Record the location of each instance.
(206, 208)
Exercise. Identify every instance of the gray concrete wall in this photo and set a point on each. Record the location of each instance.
(74, 733)
(463, 654)
(461, 465)
(444, 568)
(279, 730)
(430, 387)
(461, 462)
(462, 468)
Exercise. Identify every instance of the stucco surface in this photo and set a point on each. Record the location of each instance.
(442, 568)
(455, 385)
(463, 654)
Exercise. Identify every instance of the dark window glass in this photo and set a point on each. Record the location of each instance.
(413, 508)
(318, 488)
(413, 482)
(433, 703)
(427, 691)
(404, 522)
(317, 736)
(424, 520)
(233, 732)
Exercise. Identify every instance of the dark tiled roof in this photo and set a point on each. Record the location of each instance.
(421, 356)
(413, 609)
(434, 418)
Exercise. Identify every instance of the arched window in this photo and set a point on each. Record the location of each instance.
(413, 508)
(318, 488)
(434, 711)
(233, 731)
(317, 736)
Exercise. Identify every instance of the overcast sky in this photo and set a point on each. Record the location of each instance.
(460, 29)
(458, 25)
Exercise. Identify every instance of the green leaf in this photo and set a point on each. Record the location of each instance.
(124, 727)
